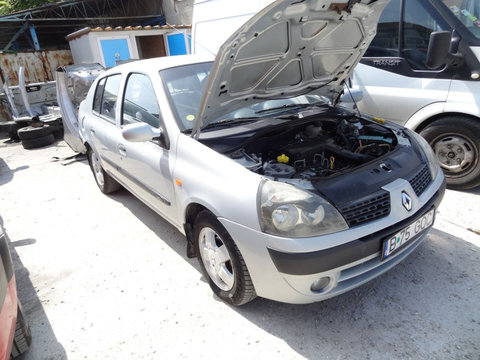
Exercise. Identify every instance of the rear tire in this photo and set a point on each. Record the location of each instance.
(105, 182)
(456, 141)
(221, 261)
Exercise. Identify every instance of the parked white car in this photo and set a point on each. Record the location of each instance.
(280, 193)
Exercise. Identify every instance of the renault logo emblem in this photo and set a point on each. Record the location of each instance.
(406, 201)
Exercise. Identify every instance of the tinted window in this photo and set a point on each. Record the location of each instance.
(140, 103)
(106, 96)
(418, 25)
(386, 42)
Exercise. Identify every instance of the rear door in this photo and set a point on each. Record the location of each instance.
(392, 75)
(101, 126)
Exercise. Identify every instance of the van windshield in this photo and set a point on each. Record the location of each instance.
(468, 12)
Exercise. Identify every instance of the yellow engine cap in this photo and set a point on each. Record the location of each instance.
(283, 159)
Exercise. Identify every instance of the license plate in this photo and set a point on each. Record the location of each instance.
(398, 240)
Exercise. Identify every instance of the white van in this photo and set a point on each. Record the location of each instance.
(443, 104)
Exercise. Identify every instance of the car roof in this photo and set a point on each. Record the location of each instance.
(157, 64)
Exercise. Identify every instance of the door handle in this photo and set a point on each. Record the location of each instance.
(92, 132)
(122, 150)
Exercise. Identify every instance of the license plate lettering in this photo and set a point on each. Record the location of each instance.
(396, 241)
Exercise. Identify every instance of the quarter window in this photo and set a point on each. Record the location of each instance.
(97, 100)
(106, 94)
(140, 103)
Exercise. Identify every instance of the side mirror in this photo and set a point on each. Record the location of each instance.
(140, 132)
(438, 52)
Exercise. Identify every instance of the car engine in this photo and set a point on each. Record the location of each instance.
(317, 149)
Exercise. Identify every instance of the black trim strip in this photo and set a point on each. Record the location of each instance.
(323, 260)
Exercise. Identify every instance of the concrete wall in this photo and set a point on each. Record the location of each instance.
(178, 12)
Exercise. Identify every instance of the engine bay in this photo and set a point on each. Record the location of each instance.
(317, 149)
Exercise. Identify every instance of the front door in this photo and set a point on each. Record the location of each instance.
(146, 165)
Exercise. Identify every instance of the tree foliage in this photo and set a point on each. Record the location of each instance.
(9, 6)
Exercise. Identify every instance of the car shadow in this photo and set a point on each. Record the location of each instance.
(7, 174)
(440, 277)
(161, 227)
(40, 327)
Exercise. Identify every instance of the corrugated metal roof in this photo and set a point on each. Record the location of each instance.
(54, 21)
(87, 30)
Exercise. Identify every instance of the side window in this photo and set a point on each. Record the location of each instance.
(97, 100)
(139, 102)
(106, 95)
(417, 27)
(386, 42)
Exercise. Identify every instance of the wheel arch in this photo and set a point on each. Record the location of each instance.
(191, 212)
(418, 126)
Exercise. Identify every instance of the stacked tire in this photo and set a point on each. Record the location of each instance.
(33, 137)
(56, 126)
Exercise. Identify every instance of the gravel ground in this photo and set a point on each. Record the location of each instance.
(104, 277)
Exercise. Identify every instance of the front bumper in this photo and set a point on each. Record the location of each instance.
(284, 269)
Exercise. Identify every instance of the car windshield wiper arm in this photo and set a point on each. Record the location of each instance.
(287, 107)
(230, 122)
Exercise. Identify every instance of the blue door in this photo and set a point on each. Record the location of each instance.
(177, 44)
(114, 50)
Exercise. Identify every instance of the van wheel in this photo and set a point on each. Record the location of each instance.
(22, 337)
(456, 140)
(105, 182)
(221, 261)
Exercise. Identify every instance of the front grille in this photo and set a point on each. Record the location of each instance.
(370, 208)
(421, 180)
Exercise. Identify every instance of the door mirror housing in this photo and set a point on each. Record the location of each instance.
(438, 52)
(140, 132)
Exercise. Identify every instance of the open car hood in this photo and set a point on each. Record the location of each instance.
(290, 48)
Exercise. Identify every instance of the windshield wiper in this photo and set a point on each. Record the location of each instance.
(230, 122)
(288, 107)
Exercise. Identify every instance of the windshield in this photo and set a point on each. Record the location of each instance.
(185, 85)
(468, 12)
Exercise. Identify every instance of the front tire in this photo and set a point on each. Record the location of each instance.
(221, 261)
(456, 141)
(105, 182)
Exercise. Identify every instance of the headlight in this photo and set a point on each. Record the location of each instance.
(288, 211)
(429, 154)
